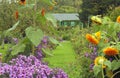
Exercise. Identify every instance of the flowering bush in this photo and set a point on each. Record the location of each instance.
(29, 67)
(107, 41)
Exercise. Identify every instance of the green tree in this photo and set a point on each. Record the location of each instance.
(96, 7)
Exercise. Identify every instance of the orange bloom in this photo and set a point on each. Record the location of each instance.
(98, 34)
(99, 61)
(91, 39)
(110, 51)
(22, 2)
(118, 19)
(43, 12)
(16, 15)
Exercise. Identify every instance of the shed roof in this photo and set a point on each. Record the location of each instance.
(66, 16)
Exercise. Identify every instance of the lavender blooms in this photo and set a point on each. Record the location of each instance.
(92, 55)
(43, 44)
(29, 67)
(15, 40)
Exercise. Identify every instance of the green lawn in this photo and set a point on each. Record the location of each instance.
(64, 58)
(62, 55)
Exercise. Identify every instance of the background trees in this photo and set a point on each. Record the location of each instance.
(97, 7)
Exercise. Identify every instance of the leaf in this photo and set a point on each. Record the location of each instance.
(108, 63)
(51, 18)
(54, 41)
(115, 64)
(34, 35)
(97, 69)
(47, 51)
(41, 19)
(18, 48)
(48, 2)
(10, 29)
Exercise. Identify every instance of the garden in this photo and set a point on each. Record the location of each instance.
(33, 45)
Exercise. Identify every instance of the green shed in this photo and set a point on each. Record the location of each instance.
(67, 19)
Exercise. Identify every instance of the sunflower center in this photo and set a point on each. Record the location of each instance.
(100, 61)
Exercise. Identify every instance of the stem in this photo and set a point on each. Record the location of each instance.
(102, 72)
(2, 45)
(33, 49)
(115, 74)
(116, 58)
(34, 15)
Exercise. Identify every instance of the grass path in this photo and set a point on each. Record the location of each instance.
(62, 55)
(64, 58)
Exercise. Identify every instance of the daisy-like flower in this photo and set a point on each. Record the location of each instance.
(118, 19)
(99, 61)
(110, 51)
(98, 35)
(92, 39)
(16, 15)
(22, 2)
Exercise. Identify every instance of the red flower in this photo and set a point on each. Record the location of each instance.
(22, 2)
(16, 15)
(43, 12)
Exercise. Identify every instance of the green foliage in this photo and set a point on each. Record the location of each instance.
(6, 32)
(54, 41)
(7, 16)
(51, 18)
(34, 35)
(115, 13)
(47, 52)
(96, 7)
(108, 64)
(18, 48)
(115, 65)
(97, 69)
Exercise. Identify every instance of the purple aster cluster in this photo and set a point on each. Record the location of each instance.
(92, 55)
(43, 44)
(29, 67)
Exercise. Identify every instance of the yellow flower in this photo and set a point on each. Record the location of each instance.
(92, 39)
(110, 51)
(22, 2)
(99, 61)
(98, 35)
(96, 19)
(118, 19)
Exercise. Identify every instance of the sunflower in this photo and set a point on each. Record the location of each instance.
(110, 51)
(22, 2)
(96, 19)
(99, 61)
(98, 35)
(92, 39)
(16, 15)
(118, 19)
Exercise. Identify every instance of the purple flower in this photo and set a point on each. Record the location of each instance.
(86, 54)
(29, 67)
(15, 40)
(91, 66)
